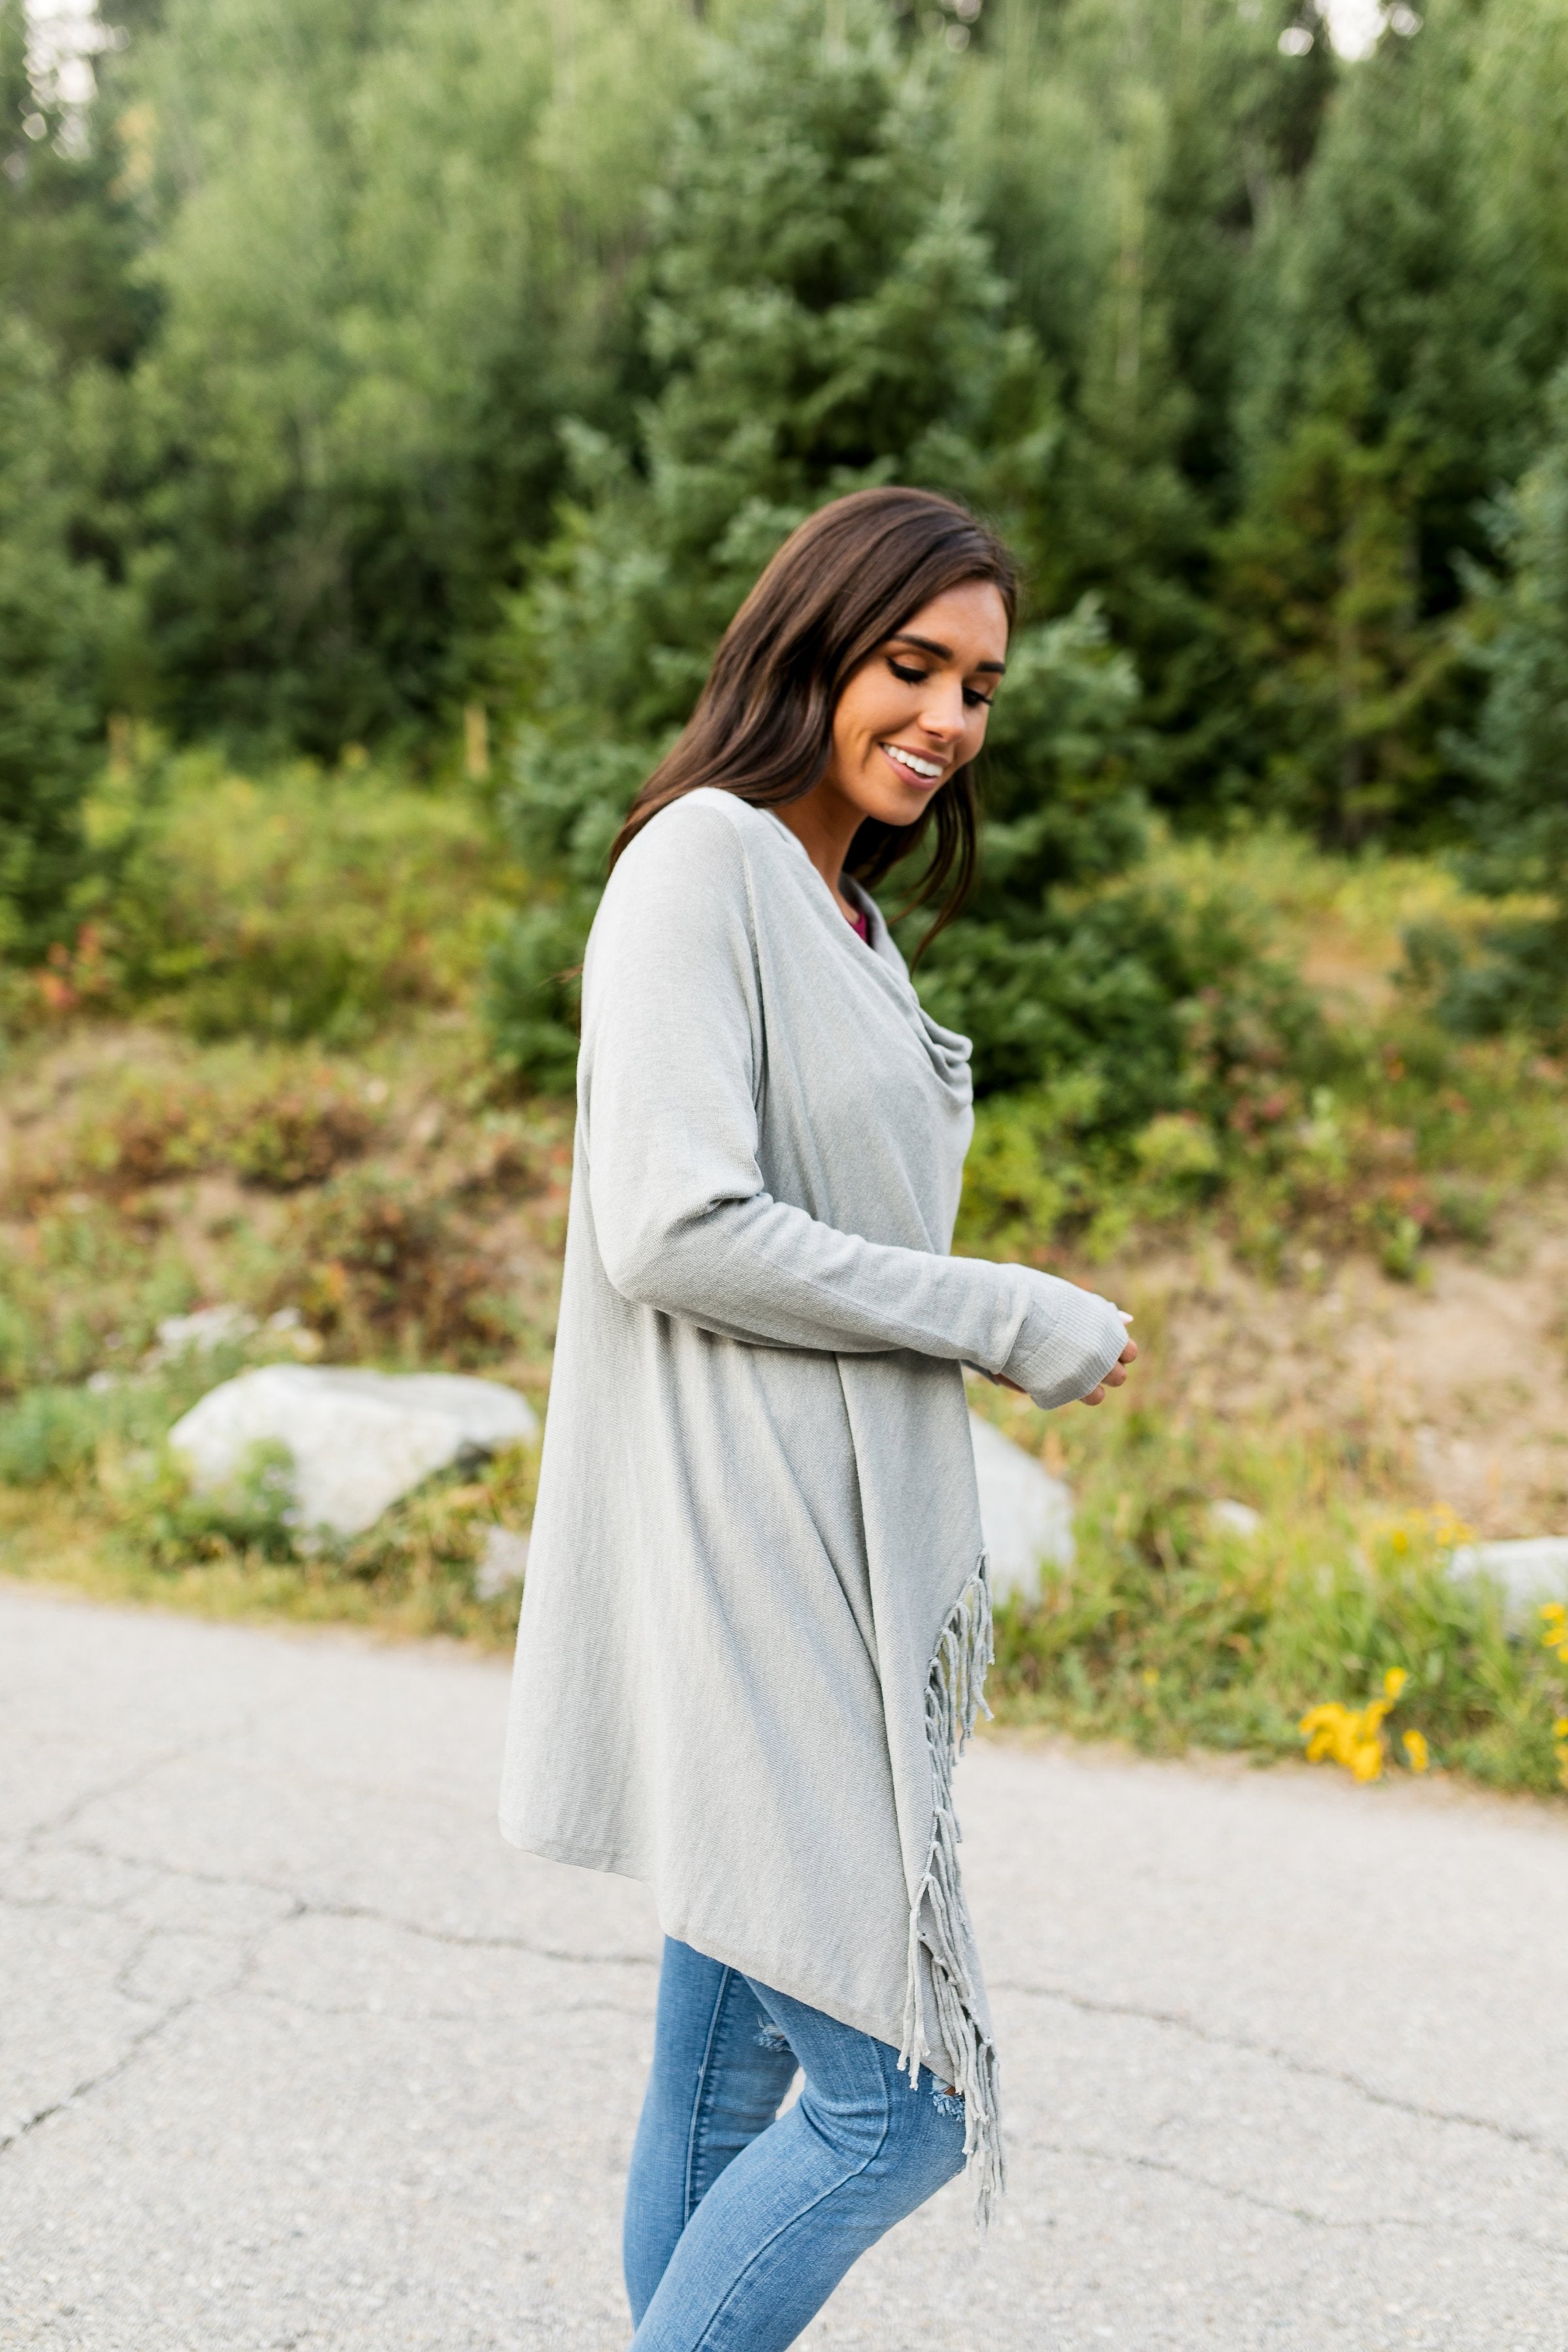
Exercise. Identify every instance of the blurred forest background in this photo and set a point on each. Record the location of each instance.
(367, 362)
(397, 397)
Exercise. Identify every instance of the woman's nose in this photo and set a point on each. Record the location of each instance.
(943, 716)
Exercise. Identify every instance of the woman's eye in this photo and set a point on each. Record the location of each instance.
(910, 676)
(977, 701)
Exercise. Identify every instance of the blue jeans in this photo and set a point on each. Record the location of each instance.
(741, 2221)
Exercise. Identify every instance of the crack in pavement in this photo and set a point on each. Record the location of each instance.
(466, 2017)
(90, 2083)
(1512, 2133)
(308, 1906)
(54, 1823)
(136, 2048)
(465, 1942)
(250, 1942)
(1362, 2224)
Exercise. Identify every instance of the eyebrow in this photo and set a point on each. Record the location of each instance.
(943, 652)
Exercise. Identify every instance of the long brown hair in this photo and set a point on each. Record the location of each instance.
(841, 584)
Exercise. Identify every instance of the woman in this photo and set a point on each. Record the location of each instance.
(757, 1617)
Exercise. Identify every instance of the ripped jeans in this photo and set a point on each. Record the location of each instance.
(740, 2220)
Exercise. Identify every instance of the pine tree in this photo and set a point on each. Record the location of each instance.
(823, 315)
(71, 319)
(1128, 161)
(1517, 760)
(1323, 585)
(391, 237)
(1382, 408)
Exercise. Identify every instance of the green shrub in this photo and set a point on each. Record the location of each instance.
(307, 905)
(380, 1268)
(240, 1553)
(83, 1289)
(532, 988)
(53, 1433)
(162, 1521)
(274, 1120)
(49, 1433)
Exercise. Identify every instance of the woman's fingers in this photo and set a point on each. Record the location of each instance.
(1115, 1377)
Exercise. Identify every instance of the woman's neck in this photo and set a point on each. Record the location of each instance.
(824, 824)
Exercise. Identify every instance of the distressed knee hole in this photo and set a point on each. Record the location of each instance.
(773, 2037)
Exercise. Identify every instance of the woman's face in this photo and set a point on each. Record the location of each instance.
(917, 709)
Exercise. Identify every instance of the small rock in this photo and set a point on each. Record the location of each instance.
(1026, 1515)
(1528, 1570)
(206, 1328)
(1234, 1518)
(359, 1440)
(503, 1561)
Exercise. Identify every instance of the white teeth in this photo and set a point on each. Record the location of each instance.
(928, 769)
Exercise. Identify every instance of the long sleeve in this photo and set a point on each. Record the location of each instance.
(674, 1064)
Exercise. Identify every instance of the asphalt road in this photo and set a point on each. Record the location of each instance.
(295, 2052)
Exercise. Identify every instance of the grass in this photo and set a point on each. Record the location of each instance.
(124, 1527)
(257, 1078)
(1172, 1629)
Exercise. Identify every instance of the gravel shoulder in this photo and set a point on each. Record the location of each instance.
(295, 2052)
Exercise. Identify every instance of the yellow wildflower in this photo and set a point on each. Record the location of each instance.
(1353, 1737)
(1417, 1749)
(1341, 1735)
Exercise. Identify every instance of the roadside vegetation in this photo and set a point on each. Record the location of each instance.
(384, 1191)
(359, 553)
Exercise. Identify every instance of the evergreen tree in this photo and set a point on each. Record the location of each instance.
(59, 622)
(391, 236)
(1517, 759)
(1381, 409)
(1128, 161)
(70, 235)
(822, 315)
(1347, 674)
(71, 321)
(1516, 99)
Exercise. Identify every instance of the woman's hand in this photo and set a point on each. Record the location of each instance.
(1115, 1376)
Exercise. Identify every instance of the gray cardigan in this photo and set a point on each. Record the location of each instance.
(756, 1617)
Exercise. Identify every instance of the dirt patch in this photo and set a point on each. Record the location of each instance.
(1462, 1377)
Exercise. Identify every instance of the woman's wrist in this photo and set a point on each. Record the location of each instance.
(1069, 1340)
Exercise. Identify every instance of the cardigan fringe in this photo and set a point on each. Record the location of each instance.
(939, 1916)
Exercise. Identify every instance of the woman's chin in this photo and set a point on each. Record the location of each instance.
(894, 804)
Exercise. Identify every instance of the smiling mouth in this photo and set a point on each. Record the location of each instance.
(913, 764)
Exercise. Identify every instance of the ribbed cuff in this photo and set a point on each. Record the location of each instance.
(1069, 1340)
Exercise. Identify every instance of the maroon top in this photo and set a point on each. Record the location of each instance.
(862, 924)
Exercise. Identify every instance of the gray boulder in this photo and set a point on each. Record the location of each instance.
(1528, 1571)
(1025, 1513)
(359, 1440)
